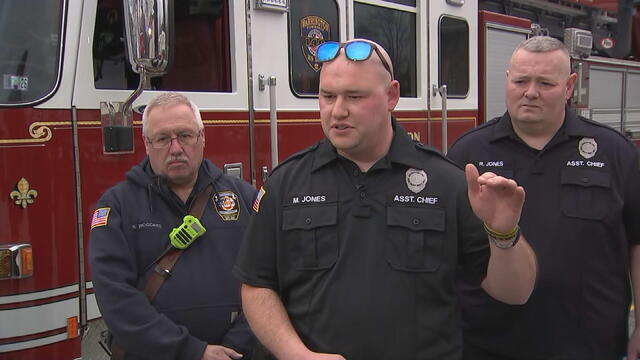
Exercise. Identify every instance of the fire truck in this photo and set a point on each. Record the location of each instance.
(70, 105)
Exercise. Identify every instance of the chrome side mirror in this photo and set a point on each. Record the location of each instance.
(149, 33)
(149, 41)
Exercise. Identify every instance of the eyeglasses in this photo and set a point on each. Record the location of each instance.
(183, 138)
(355, 51)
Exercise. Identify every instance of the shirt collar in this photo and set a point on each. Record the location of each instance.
(325, 154)
(572, 126)
(402, 151)
(503, 128)
(403, 148)
(576, 127)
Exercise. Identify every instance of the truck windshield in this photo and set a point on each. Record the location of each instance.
(30, 45)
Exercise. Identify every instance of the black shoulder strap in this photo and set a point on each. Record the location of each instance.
(162, 270)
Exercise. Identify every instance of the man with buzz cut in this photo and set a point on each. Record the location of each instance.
(581, 216)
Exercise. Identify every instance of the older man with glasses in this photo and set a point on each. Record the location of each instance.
(357, 241)
(173, 206)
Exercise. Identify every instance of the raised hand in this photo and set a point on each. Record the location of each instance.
(496, 200)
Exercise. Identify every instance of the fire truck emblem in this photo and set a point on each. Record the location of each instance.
(416, 180)
(587, 147)
(314, 31)
(227, 205)
(23, 196)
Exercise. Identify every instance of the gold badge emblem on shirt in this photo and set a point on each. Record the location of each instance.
(227, 205)
(587, 147)
(416, 180)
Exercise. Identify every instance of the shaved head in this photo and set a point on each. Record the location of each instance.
(383, 52)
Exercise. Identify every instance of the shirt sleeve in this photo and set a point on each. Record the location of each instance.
(456, 154)
(631, 210)
(133, 321)
(256, 262)
(473, 244)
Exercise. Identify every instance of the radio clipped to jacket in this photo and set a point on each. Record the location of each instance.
(185, 234)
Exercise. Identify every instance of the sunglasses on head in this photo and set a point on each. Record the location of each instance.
(355, 51)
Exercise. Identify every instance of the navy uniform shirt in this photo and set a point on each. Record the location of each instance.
(581, 215)
(365, 263)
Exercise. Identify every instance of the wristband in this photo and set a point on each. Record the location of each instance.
(503, 240)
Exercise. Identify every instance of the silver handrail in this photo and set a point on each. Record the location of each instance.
(273, 121)
(442, 90)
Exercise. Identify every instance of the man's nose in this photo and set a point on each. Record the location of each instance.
(531, 91)
(339, 109)
(174, 146)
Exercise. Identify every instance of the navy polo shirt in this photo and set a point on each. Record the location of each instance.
(581, 215)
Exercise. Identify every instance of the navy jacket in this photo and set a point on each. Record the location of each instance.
(199, 303)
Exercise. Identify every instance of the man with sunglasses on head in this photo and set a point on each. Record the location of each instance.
(355, 247)
(195, 312)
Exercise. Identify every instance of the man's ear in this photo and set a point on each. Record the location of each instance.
(393, 94)
(571, 82)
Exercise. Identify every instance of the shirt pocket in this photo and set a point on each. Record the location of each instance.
(414, 238)
(586, 193)
(311, 235)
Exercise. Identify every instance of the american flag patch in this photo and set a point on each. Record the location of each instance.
(256, 203)
(100, 217)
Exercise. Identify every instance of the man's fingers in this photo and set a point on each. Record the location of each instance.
(232, 353)
(521, 193)
(472, 178)
(499, 182)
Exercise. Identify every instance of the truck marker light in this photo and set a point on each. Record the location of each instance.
(72, 327)
(5, 264)
(25, 262)
(16, 261)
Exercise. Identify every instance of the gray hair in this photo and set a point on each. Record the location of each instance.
(167, 100)
(542, 44)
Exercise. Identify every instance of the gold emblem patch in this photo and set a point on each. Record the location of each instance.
(314, 31)
(227, 205)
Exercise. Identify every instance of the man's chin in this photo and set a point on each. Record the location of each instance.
(342, 143)
(528, 117)
(179, 179)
